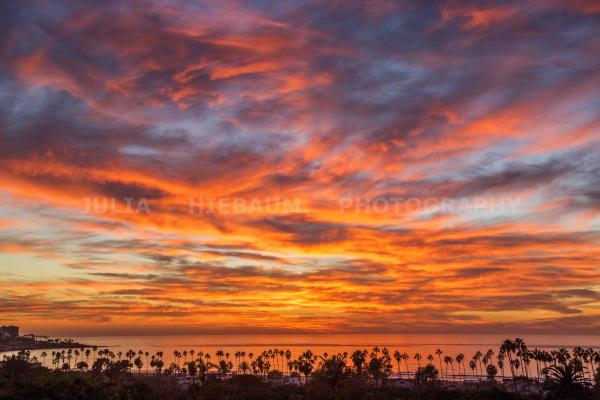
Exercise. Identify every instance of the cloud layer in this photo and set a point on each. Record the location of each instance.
(320, 166)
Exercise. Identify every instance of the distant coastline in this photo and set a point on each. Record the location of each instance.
(31, 343)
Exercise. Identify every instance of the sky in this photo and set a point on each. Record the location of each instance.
(285, 166)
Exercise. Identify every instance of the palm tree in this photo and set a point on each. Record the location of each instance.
(417, 357)
(130, 354)
(585, 360)
(521, 348)
(473, 366)
(275, 358)
(430, 358)
(44, 355)
(447, 360)
(138, 363)
(288, 357)
(517, 364)
(488, 356)
(306, 362)
(191, 367)
(359, 358)
(537, 357)
(405, 357)
(397, 357)
(526, 356)
(460, 358)
(477, 357)
(281, 356)
(237, 360)
(244, 367)
(438, 352)
(509, 347)
(565, 382)
(379, 367)
(451, 361)
(501, 362)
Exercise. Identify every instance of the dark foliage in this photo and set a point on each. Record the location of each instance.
(361, 375)
(20, 381)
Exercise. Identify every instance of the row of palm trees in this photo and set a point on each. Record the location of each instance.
(513, 355)
(62, 359)
(564, 377)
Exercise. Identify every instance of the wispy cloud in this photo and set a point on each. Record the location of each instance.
(116, 121)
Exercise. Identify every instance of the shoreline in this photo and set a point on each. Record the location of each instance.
(18, 345)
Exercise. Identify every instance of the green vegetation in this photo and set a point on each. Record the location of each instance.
(274, 374)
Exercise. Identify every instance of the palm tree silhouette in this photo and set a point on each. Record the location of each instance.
(501, 361)
(477, 357)
(130, 354)
(438, 352)
(237, 360)
(138, 363)
(460, 358)
(405, 357)
(521, 351)
(364, 364)
(473, 366)
(451, 362)
(565, 382)
(417, 357)
(359, 358)
(447, 360)
(397, 357)
(537, 357)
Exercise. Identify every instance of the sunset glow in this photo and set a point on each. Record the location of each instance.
(244, 167)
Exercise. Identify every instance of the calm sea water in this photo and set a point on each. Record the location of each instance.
(330, 343)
